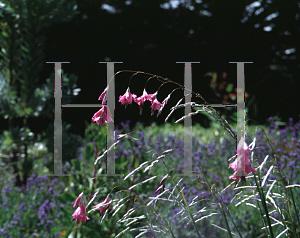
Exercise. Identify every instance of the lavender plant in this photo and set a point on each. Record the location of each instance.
(265, 189)
(32, 210)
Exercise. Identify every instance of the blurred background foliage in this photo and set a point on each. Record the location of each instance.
(22, 96)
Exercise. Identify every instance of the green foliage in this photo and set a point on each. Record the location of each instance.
(96, 133)
(22, 47)
(23, 27)
(23, 209)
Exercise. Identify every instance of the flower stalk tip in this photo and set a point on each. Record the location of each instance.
(162, 184)
(78, 199)
(103, 95)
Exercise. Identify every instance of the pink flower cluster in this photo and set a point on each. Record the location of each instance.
(239, 166)
(156, 105)
(79, 213)
(104, 115)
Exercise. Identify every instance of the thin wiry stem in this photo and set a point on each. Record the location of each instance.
(187, 206)
(262, 197)
(166, 80)
(284, 184)
(138, 197)
(180, 190)
(227, 210)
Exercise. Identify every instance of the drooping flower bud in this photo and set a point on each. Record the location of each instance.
(78, 199)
